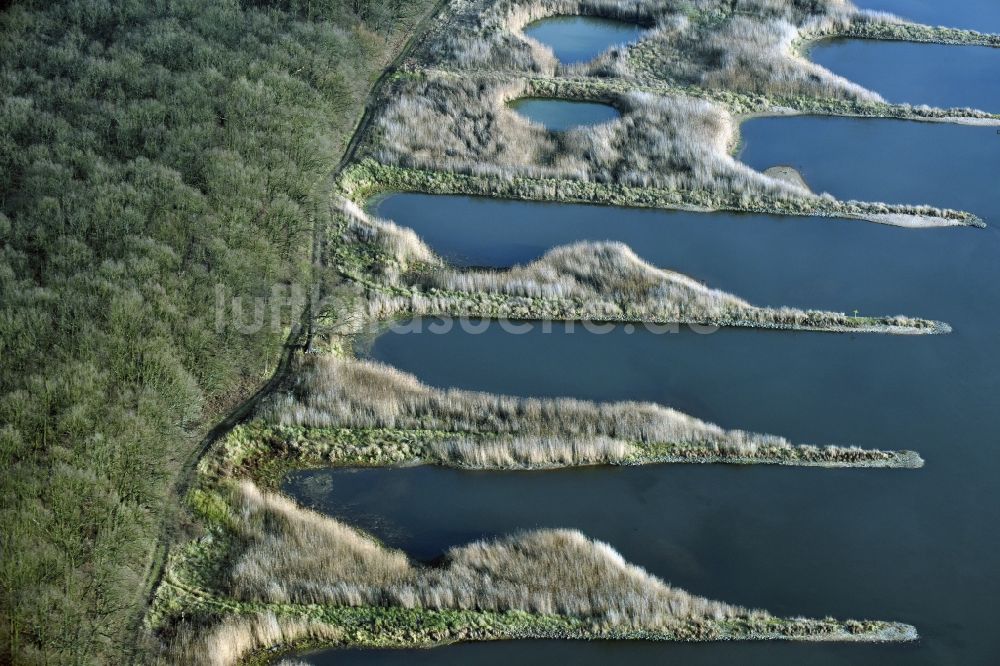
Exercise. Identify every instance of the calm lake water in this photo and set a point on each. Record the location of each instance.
(981, 15)
(907, 545)
(911, 545)
(559, 115)
(934, 74)
(576, 39)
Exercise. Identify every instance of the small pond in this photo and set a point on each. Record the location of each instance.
(576, 39)
(559, 115)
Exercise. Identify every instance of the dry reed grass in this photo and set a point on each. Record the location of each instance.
(586, 281)
(447, 123)
(333, 392)
(528, 453)
(739, 45)
(283, 559)
(237, 637)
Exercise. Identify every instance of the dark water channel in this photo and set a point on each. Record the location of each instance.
(903, 72)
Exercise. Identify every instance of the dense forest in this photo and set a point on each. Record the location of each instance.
(153, 155)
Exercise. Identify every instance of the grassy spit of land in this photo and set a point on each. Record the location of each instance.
(268, 574)
(342, 410)
(271, 575)
(394, 274)
(455, 133)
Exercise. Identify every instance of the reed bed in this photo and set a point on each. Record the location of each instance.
(675, 149)
(747, 46)
(478, 35)
(332, 392)
(229, 641)
(293, 555)
(528, 452)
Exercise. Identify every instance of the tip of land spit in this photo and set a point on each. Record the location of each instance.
(942, 327)
(899, 632)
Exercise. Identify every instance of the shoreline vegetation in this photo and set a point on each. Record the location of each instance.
(399, 276)
(369, 178)
(739, 59)
(270, 575)
(340, 586)
(249, 572)
(339, 409)
(667, 152)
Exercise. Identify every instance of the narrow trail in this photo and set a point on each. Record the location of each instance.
(299, 340)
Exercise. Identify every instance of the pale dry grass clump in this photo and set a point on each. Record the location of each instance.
(562, 571)
(594, 271)
(585, 281)
(449, 121)
(528, 453)
(402, 243)
(757, 56)
(334, 392)
(237, 637)
(291, 546)
(549, 571)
